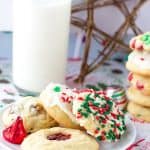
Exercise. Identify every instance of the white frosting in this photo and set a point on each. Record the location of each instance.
(135, 58)
(54, 98)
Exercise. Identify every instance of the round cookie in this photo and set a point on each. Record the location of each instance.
(59, 139)
(32, 113)
(139, 63)
(57, 100)
(137, 97)
(139, 112)
(141, 83)
(99, 115)
(141, 42)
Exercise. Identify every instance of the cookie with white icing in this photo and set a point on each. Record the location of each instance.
(139, 63)
(57, 100)
(99, 115)
(32, 113)
(141, 42)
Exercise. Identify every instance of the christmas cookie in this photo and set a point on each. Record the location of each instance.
(59, 139)
(141, 83)
(136, 96)
(118, 95)
(57, 100)
(141, 42)
(139, 112)
(31, 112)
(139, 63)
(99, 115)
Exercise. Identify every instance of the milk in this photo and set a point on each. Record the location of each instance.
(40, 39)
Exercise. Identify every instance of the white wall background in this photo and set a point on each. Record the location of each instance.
(107, 18)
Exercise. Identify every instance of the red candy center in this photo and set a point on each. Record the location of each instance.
(59, 137)
(139, 85)
(15, 133)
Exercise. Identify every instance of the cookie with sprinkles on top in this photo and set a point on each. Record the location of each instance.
(141, 42)
(99, 115)
(57, 100)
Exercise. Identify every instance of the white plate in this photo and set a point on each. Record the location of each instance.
(127, 139)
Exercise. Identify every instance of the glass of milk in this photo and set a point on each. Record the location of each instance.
(40, 40)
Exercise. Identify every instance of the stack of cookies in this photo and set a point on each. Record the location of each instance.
(139, 77)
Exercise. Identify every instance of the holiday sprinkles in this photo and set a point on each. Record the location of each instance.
(107, 121)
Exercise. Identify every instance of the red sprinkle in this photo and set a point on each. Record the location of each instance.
(16, 132)
(101, 92)
(94, 107)
(130, 76)
(122, 102)
(96, 131)
(80, 98)
(63, 99)
(101, 110)
(102, 138)
(104, 121)
(139, 85)
(85, 90)
(97, 117)
(79, 115)
(114, 115)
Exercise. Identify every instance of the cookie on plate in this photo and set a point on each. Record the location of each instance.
(139, 112)
(136, 96)
(141, 42)
(59, 139)
(57, 100)
(139, 63)
(141, 83)
(99, 115)
(32, 113)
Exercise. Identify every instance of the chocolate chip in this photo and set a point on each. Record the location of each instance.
(117, 71)
(8, 101)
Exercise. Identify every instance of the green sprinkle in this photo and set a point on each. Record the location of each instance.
(146, 38)
(79, 110)
(85, 114)
(111, 135)
(103, 126)
(95, 113)
(96, 104)
(120, 128)
(99, 138)
(57, 89)
(112, 126)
